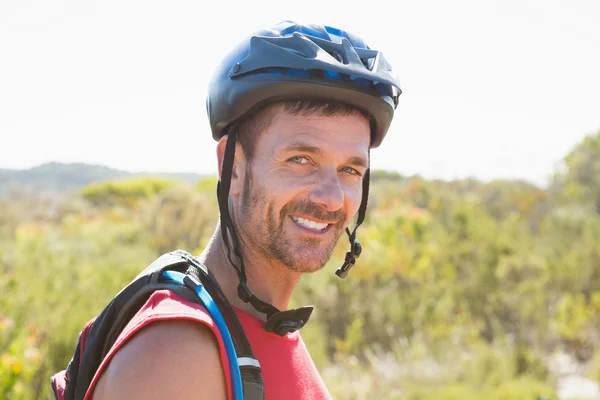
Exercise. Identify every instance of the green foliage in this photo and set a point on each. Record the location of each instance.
(580, 180)
(55, 277)
(125, 192)
(208, 185)
(594, 367)
(379, 175)
(180, 217)
(20, 361)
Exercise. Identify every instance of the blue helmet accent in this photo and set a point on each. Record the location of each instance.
(302, 62)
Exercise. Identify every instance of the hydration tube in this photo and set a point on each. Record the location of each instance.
(213, 309)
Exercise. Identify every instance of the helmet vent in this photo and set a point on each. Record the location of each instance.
(368, 62)
(337, 56)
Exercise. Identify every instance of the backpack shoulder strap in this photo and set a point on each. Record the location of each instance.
(249, 367)
(159, 275)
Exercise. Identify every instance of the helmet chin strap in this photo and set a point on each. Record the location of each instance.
(278, 322)
(355, 247)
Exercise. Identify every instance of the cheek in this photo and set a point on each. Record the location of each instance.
(353, 197)
(285, 187)
(272, 195)
(290, 180)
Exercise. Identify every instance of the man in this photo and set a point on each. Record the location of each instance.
(295, 110)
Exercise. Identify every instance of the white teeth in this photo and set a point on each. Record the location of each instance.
(310, 224)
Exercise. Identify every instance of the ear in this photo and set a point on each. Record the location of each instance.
(239, 163)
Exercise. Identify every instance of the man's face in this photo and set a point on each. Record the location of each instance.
(302, 187)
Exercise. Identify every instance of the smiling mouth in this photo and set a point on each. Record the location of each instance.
(309, 224)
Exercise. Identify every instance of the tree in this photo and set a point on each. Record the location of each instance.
(579, 182)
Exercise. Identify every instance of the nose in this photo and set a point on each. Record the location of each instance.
(328, 192)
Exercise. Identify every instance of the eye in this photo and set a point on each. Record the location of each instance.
(299, 160)
(350, 171)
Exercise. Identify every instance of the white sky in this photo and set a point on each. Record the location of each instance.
(491, 88)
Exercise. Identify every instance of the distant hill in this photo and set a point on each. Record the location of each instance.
(53, 177)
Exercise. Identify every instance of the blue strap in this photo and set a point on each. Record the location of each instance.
(215, 313)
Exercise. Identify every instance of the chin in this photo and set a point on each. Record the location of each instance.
(303, 255)
(308, 263)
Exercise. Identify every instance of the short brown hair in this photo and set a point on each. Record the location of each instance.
(249, 129)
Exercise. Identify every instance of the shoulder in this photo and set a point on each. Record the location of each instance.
(165, 358)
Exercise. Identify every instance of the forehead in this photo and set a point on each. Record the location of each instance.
(338, 133)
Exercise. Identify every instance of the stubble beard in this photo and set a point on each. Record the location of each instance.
(269, 237)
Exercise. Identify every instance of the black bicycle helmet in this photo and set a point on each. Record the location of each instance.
(296, 62)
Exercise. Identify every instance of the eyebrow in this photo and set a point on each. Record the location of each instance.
(307, 148)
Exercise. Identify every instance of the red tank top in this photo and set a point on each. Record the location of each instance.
(288, 370)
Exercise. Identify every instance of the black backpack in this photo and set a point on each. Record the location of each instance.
(182, 273)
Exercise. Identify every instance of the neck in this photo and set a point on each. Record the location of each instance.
(271, 282)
